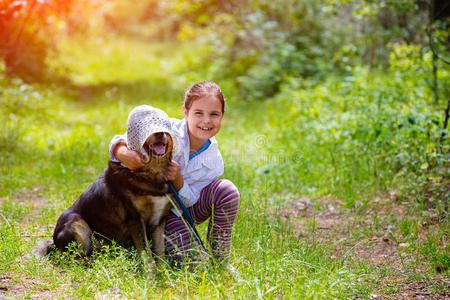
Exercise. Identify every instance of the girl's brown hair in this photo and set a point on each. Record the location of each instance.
(201, 89)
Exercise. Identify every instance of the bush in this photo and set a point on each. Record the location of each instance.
(267, 42)
(377, 130)
(29, 30)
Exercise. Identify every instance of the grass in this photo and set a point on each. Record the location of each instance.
(367, 157)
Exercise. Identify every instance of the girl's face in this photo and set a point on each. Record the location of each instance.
(203, 120)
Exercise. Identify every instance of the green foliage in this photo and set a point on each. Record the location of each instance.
(438, 39)
(438, 254)
(264, 43)
(26, 35)
(373, 25)
(378, 135)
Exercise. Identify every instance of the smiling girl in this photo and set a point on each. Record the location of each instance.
(193, 173)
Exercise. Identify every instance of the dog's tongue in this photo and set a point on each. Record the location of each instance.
(159, 149)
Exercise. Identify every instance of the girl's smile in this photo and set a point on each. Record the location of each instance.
(203, 119)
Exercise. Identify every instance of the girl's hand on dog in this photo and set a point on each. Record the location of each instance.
(174, 175)
(131, 159)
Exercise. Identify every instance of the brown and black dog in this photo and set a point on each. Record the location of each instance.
(127, 206)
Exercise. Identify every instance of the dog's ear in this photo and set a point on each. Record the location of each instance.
(146, 158)
(169, 146)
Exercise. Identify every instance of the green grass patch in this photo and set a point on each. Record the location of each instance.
(353, 139)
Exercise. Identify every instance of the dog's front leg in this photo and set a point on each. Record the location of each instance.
(158, 239)
(136, 236)
(146, 246)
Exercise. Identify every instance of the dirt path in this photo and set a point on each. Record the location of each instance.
(371, 236)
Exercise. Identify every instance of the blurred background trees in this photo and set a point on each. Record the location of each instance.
(258, 44)
(30, 32)
(25, 37)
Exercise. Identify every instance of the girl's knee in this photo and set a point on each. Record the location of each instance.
(227, 189)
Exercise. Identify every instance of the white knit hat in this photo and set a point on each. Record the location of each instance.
(143, 121)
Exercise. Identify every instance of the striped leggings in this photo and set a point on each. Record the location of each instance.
(219, 201)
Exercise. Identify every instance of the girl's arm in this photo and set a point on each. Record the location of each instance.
(130, 158)
(196, 181)
(174, 175)
(118, 151)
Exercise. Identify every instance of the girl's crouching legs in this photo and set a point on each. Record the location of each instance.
(218, 202)
(225, 205)
(180, 244)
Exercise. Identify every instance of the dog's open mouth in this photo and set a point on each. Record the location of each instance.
(158, 149)
(157, 145)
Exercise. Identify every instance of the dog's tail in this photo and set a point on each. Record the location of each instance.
(82, 233)
(73, 228)
(76, 229)
(42, 248)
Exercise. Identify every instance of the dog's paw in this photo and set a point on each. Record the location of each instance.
(42, 248)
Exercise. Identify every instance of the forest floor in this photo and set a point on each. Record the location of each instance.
(353, 236)
(364, 236)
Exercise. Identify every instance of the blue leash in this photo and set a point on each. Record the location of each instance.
(187, 215)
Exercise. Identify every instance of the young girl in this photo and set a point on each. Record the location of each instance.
(193, 172)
